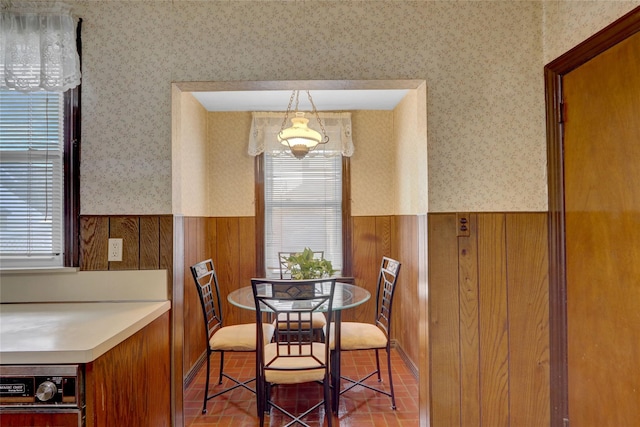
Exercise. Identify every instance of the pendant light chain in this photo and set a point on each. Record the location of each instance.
(325, 138)
(286, 114)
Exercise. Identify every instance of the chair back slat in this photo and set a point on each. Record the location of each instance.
(206, 280)
(385, 290)
(293, 302)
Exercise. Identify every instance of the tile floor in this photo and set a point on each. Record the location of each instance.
(358, 407)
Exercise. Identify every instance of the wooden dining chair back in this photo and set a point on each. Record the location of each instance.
(220, 338)
(373, 336)
(293, 357)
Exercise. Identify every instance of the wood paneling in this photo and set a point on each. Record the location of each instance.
(230, 242)
(488, 326)
(194, 334)
(371, 240)
(528, 312)
(469, 325)
(492, 292)
(94, 243)
(444, 327)
(128, 229)
(146, 242)
(406, 309)
(489, 329)
(149, 243)
(128, 384)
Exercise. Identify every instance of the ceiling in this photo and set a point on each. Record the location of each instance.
(325, 100)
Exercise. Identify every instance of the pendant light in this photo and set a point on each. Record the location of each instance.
(299, 138)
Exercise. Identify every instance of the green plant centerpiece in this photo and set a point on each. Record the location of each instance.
(304, 265)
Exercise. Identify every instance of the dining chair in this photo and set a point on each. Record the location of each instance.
(372, 336)
(293, 357)
(318, 319)
(220, 338)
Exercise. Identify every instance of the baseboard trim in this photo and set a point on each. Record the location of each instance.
(412, 367)
(191, 375)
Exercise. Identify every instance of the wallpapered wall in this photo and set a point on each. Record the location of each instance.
(217, 176)
(482, 62)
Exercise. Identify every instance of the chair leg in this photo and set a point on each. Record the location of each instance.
(361, 382)
(221, 367)
(327, 402)
(393, 397)
(378, 366)
(206, 383)
(260, 399)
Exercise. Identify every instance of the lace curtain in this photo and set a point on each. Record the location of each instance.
(38, 47)
(266, 126)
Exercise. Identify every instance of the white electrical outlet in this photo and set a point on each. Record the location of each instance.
(115, 250)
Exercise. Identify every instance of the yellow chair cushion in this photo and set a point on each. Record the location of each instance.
(358, 336)
(239, 337)
(317, 320)
(294, 376)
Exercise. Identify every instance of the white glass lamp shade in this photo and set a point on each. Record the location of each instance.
(299, 137)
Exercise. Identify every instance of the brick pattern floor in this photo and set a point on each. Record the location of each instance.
(358, 407)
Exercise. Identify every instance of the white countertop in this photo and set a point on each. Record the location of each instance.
(75, 332)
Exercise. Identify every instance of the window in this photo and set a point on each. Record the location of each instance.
(302, 208)
(31, 184)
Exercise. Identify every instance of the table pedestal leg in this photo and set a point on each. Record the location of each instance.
(335, 364)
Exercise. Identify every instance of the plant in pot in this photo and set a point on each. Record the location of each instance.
(304, 265)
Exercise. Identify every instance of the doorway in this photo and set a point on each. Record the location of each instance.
(592, 127)
(417, 89)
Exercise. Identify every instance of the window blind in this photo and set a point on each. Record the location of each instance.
(31, 186)
(303, 208)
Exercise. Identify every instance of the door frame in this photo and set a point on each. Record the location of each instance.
(554, 73)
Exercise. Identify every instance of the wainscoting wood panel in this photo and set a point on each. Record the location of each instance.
(469, 329)
(128, 229)
(194, 333)
(228, 257)
(149, 243)
(444, 328)
(492, 290)
(247, 260)
(406, 309)
(94, 243)
(372, 237)
(489, 325)
(528, 311)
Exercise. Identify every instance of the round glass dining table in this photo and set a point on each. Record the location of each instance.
(345, 296)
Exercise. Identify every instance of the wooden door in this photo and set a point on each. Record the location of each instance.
(602, 225)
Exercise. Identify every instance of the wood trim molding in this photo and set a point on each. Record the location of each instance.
(71, 161)
(259, 203)
(405, 358)
(347, 225)
(554, 72)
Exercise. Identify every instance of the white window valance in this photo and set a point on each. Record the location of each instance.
(38, 47)
(266, 125)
